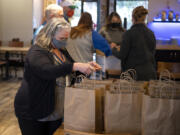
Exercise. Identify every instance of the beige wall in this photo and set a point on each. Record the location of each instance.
(156, 6)
(16, 20)
(0, 20)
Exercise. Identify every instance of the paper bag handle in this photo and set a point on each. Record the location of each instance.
(167, 85)
(82, 78)
(165, 81)
(166, 76)
(127, 76)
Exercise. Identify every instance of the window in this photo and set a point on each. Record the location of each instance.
(77, 13)
(90, 6)
(125, 7)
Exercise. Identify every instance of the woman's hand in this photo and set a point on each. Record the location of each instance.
(113, 45)
(118, 48)
(95, 65)
(86, 68)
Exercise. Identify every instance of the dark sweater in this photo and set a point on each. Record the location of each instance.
(138, 52)
(35, 97)
(112, 35)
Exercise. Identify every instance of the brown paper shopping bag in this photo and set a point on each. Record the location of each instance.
(161, 109)
(83, 109)
(79, 109)
(123, 110)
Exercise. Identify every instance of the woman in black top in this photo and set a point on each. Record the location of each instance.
(45, 63)
(138, 47)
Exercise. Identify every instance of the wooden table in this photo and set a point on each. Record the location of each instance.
(14, 49)
(7, 50)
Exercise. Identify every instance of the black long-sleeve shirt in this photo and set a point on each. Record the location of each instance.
(138, 52)
(35, 97)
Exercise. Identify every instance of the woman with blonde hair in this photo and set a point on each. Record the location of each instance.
(40, 98)
(138, 47)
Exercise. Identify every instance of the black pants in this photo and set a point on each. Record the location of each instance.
(32, 127)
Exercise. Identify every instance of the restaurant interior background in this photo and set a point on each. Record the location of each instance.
(19, 18)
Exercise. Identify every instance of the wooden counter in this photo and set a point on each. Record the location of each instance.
(73, 132)
(168, 53)
(168, 57)
(168, 47)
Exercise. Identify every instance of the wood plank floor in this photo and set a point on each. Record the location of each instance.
(8, 121)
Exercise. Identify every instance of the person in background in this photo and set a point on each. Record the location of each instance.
(52, 10)
(83, 40)
(68, 8)
(138, 47)
(39, 100)
(113, 29)
(112, 32)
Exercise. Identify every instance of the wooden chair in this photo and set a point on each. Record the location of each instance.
(16, 59)
(16, 43)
